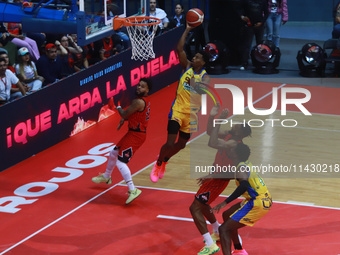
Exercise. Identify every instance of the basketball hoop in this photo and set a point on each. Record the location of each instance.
(141, 30)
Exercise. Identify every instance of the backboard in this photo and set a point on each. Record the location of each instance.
(95, 18)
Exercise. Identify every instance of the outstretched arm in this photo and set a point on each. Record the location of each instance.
(240, 190)
(136, 105)
(214, 140)
(213, 113)
(180, 48)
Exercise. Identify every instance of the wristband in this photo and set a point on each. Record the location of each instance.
(118, 107)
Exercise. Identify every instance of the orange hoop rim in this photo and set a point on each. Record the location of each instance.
(131, 21)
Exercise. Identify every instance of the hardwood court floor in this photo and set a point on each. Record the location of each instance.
(310, 148)
(310, 152)
(68, 214)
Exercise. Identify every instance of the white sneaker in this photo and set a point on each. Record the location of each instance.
(101, 179)
(133, 194)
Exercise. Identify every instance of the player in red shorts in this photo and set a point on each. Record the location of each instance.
(137, 115)
(212, 186)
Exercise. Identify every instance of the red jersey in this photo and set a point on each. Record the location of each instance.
(14, 28)
(139, 120)
(108, 48)
(212, 188)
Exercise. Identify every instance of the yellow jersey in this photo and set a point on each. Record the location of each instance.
(256, 184)
(187, 99)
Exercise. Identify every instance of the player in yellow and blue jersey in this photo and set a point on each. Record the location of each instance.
(257, 201)
(183, 118)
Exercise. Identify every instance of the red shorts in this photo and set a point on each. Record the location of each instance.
(210, 190)
(129, 144)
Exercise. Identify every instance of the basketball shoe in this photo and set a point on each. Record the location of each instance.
(162, 170)
(242, 252)
(209, 250)
(101, 179)
(133, 194)
(154, 175)
(215, 237)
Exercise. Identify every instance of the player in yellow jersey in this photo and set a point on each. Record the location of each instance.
(183, 114)
(257, 201)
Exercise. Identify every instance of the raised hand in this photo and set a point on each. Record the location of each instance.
(224, 114)
(214, 111)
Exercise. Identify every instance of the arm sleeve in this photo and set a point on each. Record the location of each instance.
(238, 191)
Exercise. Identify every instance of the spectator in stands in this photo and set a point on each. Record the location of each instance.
(15, 92)
(160, 14)
(278, 13)
(16, 29)
(27, 72)
(7, 78)
(20, 41)
(80, 60)
(70, 45)
(49, 66)
(179, 18)
(91, 55)
(108, 46)
(4, 54)
(336, 29)
(67, 49)
(253, 13)
(11, 50)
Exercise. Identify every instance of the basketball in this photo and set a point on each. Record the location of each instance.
(195, 17)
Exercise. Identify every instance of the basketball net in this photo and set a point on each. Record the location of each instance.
(142, 31)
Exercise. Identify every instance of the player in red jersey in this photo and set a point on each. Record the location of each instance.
(212, 186)
(137, 115)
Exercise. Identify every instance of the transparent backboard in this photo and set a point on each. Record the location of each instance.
(95, 18)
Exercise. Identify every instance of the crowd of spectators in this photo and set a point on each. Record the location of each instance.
(39, 59)
(35, 64)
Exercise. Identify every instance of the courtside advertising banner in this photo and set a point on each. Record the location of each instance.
(60, 110)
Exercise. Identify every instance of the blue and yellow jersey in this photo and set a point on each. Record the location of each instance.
(187, 99)
(256, 184)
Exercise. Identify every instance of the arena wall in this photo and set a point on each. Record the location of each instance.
(38, 121)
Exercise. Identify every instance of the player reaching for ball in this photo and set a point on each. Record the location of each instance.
(183, 118)
(137, 115)
(212, 185)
